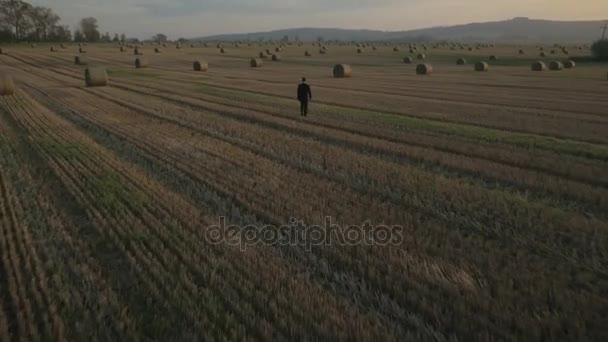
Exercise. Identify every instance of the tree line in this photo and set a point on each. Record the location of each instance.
(22, 21)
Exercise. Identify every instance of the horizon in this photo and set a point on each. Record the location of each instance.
(189, 19)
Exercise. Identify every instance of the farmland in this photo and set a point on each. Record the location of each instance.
(498, 181)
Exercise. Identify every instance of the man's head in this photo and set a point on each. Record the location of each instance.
(303, 79)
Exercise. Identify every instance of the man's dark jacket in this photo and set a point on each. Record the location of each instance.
(304, 93)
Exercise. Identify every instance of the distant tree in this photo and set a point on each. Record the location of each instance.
(78, 36)
(89, 28)
(44, 21)
(160, 38)
(599, 50)
(15, 13)
(285, 39)
(106, 37)
(320, 39)
(60, 34)
(123, 38)
(116, 39)
(182, 40)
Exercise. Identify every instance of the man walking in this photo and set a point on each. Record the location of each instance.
(304, 95)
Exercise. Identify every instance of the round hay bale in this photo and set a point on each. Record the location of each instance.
(470, 49)
(276, 58)
(80, 60)
(493, 58)
(538, 66)
(542, 54)
(122, 49)
(482, 66)
(62, 46)
(359, 50)
(141, 62)
(222, 50)
(52, 49)
(342, 71)
(95, 77)
(7, 85)
(256, 63)
(200, 66)
(307, 53)
(278, 49)
(81, 50)
(396, 49)
(137, 52)
(569, 64)
(263, 55)
(156, 50)
(322, 52)
(33, 46)
(421, 56)
(408, 60)
(553, 51)
(555, 65)
(424, 69)
(461, 61)
(521, 52)
(1, 52)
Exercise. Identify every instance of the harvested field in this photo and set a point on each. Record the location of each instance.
(482, 198)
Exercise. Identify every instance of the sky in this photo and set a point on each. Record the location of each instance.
(196, 18)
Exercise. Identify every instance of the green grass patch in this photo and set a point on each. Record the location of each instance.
(470, 132)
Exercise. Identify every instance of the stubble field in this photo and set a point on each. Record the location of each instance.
(498, 179)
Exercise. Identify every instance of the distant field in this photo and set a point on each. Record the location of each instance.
(498, 180)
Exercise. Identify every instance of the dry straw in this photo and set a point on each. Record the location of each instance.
(538, 66)
(7, 86)
(95, 77)
(200, 66)
(555, 65)
(80, 60)
(342, 71)
(424, 69)
(141, 62)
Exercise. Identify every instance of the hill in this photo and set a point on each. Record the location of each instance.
(514, 30)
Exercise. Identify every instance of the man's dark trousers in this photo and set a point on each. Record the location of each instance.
(303, 107)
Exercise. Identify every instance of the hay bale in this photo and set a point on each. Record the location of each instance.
(408, 60)
(424, 69)
(342, 71)
(278, 49)
(569, 64)
(521, 52)
(556, 65)
(307, 53)
(200, 66)
(542, 54)
(141, 62)
(538, 66)
(62, 46)
(396, 49)
(7, 85)
(52, 49)
(256, 63)
(263, 55)
(421, 56)
(81, 50)
(95, 77)
(156, 50)
(222, 50)
(276, 58)
(482, 66)
(33, 46)
(137, 52)
(493, 58)
(359, 51)
(122, 49)
(80, 60)
(461, 61)
(1, 52)
(322, 52)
